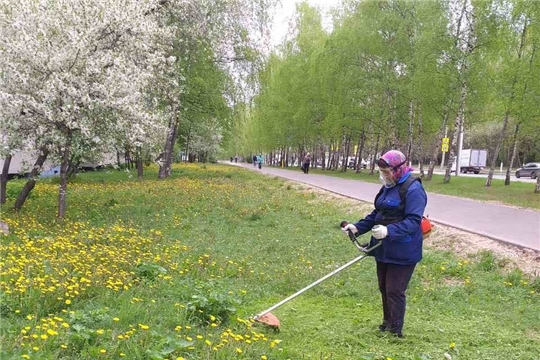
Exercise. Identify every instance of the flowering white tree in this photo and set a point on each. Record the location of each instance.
(78, 69)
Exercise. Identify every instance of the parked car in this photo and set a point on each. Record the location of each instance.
(530, 169)
(363, 163)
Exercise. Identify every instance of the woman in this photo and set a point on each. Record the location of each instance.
(306, 163)
(397, 224)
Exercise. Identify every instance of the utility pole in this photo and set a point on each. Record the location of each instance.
(460, 148)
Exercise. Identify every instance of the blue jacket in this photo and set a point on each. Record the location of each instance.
(403, 245)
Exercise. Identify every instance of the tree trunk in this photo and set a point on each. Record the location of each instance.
(63, 178)
(372, 165)
(512, 155)
(460, 118)
(165, 167)
(27, 189)
(323, 156)
(392, 137)
(346, 152)
(118, 159)
(420, 143)
(537, 187)
(140, 170)
(497, 149)
(410, 131)
(361, 143)
(4, 179)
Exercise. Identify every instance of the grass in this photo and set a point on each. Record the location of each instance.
(173, 270)
(517, 194)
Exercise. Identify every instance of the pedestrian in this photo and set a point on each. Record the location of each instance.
(235, 158)
(259, 161)
(306, 163)
(254, 160)
(396, 223)
(231, 159)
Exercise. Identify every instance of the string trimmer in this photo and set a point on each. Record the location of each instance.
(267, 318)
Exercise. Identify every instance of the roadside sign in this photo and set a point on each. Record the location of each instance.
(445, 141)
(444, 148)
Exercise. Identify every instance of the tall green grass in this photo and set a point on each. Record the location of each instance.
(199, 253)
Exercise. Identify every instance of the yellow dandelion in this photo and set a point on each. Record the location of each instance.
(208, 342)
(116, 319)
(452, 345)
(238, 350)
(263, 357)
(103, 351)
(25, 356)
(35, 348)
(68, 301)
(122, 354)
(44, 337)
(199, 337)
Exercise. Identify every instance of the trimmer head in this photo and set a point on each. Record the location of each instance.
(269, 319)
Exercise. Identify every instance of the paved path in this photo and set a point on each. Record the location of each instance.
(512, 225)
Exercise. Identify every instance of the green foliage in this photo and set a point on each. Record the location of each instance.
(150, 271)
(211, 303)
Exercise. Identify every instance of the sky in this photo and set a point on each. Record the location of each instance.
(285, 11)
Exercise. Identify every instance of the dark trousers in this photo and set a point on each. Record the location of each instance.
(393, 282)
(260, 165)
(305, 167)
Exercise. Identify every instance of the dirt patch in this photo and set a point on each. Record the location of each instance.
(464, 243)
(444, 237)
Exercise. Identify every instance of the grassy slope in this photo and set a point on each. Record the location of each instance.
(517, 194)
(234, 238)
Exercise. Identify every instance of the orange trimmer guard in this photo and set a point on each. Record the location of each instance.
(268, 319)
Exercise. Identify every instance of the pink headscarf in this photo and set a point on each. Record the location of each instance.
(398, 162)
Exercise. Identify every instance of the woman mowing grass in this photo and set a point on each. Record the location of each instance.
(396, 223)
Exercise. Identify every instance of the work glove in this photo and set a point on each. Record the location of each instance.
(348, 227)
(379, 232)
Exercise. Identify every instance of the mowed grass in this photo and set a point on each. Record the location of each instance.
(517, 193)
(173, 269)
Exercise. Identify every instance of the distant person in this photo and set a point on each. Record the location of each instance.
(236, 159)
(306, 163)
(259, 161)
(231, 159)
(254, 160)
(397, 224)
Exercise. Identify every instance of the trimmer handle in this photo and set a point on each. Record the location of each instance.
(351, 236)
